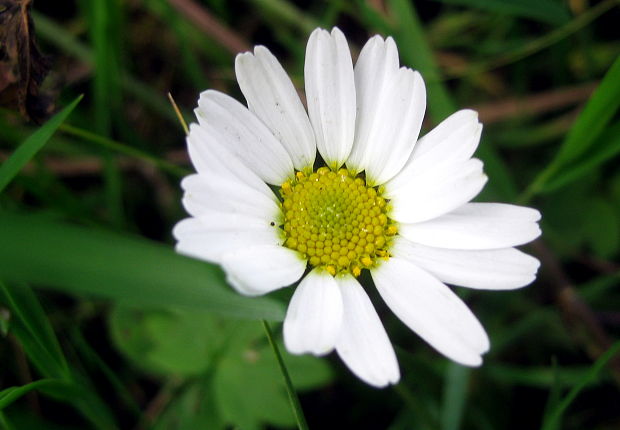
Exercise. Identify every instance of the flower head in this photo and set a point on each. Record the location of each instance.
(378, 200)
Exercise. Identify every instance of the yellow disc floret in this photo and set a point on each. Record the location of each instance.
(336, 221)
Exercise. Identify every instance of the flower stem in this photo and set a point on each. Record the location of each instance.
(292, 395)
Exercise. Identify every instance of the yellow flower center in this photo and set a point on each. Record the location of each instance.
(336, 221)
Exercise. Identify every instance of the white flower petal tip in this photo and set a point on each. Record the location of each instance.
(230, 124)
(440, 174)
(390, 107)
(436, 190)
(314, 316)
(215, 233)
(495, 269)
(363, 344)
(330, 94)
(260, 269)
(455, 138)
(271, 95)
(432, 310)
(477, 226)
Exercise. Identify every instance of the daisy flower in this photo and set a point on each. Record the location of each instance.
(271, 213)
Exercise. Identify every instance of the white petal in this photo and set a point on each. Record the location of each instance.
(214, 161)
(215, 233)
(495, 269)
(314, 316)
(432, 310)
(391, 104)
(330, 93)
(224, 193)
(401, 122)
(231, 124)
(376, 65)
(477, 226)
(272, 97)
(435, 191)
(257, 270)
(455, 138)
(363, 344)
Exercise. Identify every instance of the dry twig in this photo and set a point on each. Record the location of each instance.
(534, 104)
(211, 26)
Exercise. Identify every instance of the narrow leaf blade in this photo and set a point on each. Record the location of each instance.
(29, 148)
(86, 261)
(12, 394)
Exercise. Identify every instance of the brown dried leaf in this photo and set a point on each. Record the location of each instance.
(22, 66)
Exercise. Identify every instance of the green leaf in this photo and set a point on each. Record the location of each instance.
(29, 148)
(231, 356)
(12, 394)
(78, 260)
(168, 342)
(543, 10)
(248, 379)
(192, 408)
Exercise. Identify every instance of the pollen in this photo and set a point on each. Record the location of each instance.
(336, 221)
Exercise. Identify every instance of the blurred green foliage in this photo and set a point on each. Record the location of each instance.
(120, 332)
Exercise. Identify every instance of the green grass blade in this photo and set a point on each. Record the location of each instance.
(86, 261)
(553, 419)
(600, 109)
(85, 399)
(598, 112)
(454, 396)
(125, 149)
(24, 153)
(34, 333)
(104, 30)
(290, 389)
(12, 394)
(289, 13)
(548, 11)
(25, 306)
(416, 52)
(606, 147)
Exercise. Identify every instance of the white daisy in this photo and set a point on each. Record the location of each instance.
(383, 201)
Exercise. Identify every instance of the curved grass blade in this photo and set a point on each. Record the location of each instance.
(12, 394)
